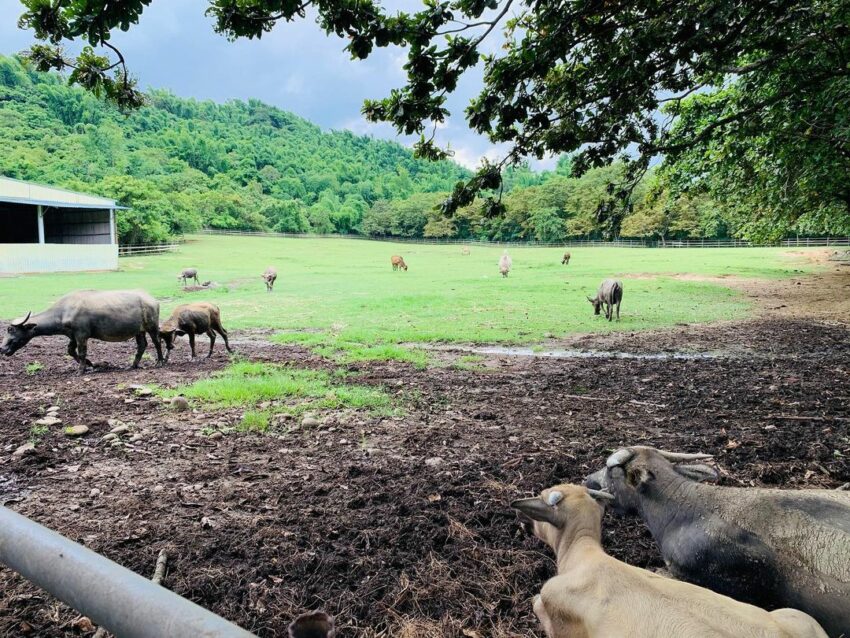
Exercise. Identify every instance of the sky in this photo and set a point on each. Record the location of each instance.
(296, 67)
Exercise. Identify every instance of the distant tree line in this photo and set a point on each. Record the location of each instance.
(181, 165)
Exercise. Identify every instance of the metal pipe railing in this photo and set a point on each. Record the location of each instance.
(112, 596)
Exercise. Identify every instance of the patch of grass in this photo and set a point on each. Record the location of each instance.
(255, 421)
(248, 383)
(468, 362)
(332, 347)
(37, 432)
(34, 367)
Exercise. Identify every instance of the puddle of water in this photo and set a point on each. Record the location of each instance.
(512, 351)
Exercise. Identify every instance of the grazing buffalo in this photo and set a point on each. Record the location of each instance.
(107, 315)
(609, 295)
(772, 548)
(398, 262)
(270, 276)
(188, 273)
(193, 319)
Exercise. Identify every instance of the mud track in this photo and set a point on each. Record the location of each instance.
(349, 517)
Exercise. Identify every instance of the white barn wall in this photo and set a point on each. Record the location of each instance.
(27, 258)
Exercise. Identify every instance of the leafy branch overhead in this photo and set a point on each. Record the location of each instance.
(608, 80)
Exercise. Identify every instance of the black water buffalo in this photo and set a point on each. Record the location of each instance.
(193, 319)
(772, 548)
(609, 295)
(189, 273)
(107, 315)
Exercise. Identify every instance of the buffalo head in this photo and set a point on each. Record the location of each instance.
(597, 305)
(630, 472)
(17, 336)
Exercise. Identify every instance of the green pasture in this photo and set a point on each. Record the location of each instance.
(341, 296)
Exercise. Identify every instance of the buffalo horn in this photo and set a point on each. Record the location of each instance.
(620, 457)
(599, 494)
(22, 321)
(677, 457)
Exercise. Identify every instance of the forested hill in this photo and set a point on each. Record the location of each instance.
(183, 164)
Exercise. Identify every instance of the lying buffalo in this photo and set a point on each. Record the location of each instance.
(772, 548)
(193, 319)
(109, 315)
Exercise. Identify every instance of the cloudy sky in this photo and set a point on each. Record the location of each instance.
(296, 67)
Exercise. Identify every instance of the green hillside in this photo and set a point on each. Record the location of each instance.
(182, 164)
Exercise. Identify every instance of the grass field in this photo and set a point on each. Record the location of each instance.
(342, 295)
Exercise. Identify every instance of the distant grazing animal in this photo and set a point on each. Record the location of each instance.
(597, 596)
(269, 277)
(315, 624)
(566, 260)
(769, 547)
(398, 262)
(505, 263)
(464, 250)
(609, 295)
(189, 273)
(193, 319)
(106, 315)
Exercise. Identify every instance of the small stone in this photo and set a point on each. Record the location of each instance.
(109, 437)
(769, 428)
(94, 493)
(158, 488)
(117, 443)
(53, 409)
(114, 422)
(434, 461)
(26, 448)
(77, 430)
(179, 404)
(144, 392)
(136, 438)
(48, 421)
(310, 422)
(216, 435)
(120, 429)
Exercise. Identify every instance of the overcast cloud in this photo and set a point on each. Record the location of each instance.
(296, 67)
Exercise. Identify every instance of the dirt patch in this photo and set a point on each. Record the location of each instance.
(351, 518)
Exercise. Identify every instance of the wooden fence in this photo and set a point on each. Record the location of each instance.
(151, 249)
(793, 242)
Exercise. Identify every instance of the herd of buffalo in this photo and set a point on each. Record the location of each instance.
(733, 553)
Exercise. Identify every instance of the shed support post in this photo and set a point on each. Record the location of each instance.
(40, 224)
(111, 225)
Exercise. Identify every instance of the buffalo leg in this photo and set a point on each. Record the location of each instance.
(72, 350)
(211, 335)
(192, 343)
(618, 311)
(220, 329)
(141, 346)
(82, 351)
(154, 334)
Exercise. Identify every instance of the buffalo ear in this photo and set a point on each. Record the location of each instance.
(697, 472)
(589, 299)
(639, 477)
(537, 510)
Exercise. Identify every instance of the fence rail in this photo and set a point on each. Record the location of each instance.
(150, 249)
(793, 242)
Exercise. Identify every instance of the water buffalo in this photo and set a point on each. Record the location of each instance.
(193, 319)
(189, 273)
(772, 548)
(609, 295)
(398, 262)
(505, 264)
(269, 277)
(107, 315)
(566, 260)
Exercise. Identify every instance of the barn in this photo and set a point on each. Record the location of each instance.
(48, 229)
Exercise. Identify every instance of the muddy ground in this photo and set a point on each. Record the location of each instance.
(351, 518)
